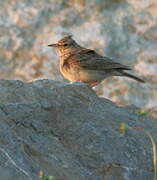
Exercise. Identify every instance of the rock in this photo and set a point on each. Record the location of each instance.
(68, 132)
(123, 30)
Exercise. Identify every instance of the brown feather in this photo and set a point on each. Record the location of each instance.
(85, 65)
(86, 58)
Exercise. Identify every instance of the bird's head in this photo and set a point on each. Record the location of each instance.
(65, 45)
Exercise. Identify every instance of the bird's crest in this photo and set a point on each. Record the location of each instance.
(66, 39)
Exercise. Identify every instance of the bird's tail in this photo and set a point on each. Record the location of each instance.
(133, 77)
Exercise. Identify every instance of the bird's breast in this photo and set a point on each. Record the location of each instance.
(78, 74)
(72, 74)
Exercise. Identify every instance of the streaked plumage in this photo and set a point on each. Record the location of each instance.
(85, 65)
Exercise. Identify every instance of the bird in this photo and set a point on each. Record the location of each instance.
(80, 64)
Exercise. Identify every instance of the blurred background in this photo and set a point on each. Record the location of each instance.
(125, 30)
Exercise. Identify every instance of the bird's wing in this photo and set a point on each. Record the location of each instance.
(89, 59)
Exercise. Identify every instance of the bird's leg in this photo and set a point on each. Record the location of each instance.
(95, 83)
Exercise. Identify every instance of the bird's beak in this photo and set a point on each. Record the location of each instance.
(52, 45)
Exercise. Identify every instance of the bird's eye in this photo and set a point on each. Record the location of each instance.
(65, 45)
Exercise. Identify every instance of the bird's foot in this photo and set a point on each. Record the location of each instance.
(95, 83)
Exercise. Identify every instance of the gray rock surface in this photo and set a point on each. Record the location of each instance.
(69, 132)
(123, 29)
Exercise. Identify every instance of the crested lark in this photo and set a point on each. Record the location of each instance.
(78, 64)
